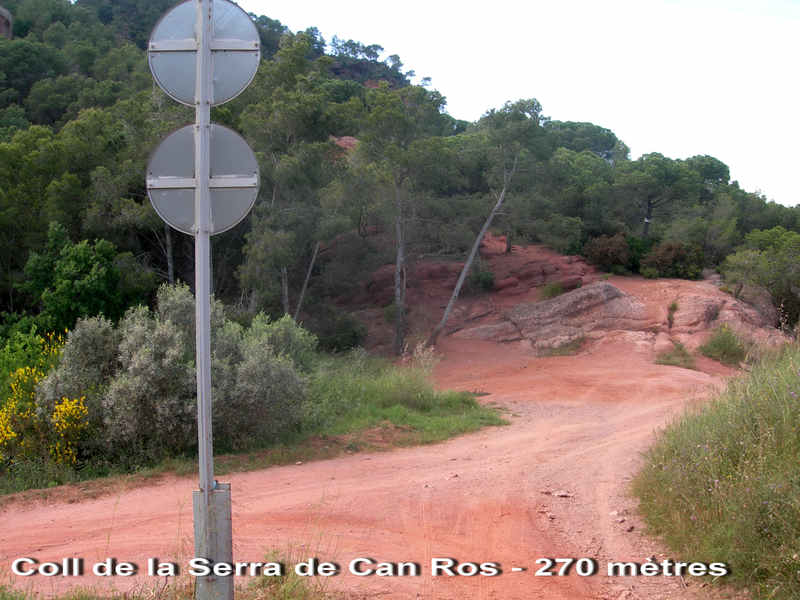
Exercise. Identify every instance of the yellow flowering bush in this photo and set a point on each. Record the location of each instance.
(23, 432)
(70, 422)
(20, 431)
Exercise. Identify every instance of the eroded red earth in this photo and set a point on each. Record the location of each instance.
(553, 483)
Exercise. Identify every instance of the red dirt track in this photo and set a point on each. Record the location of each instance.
(577, 424)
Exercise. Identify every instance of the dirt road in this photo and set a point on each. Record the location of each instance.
(554, 483)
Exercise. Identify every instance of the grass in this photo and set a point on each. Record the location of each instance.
(678, 356)
(359, 394)
(721, 484)
(725, 346)
(551, 290)
(355, 402)
(567, 349)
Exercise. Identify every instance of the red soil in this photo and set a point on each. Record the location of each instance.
(577, 424)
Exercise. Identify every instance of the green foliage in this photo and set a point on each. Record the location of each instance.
(23, 62)
(607, 251)
(725, 346)
(74, 280)
(678, 356)
(671, 310)
(551, 290)
(336, 331)
(286, 338)
(561, 233)
(480, 278)
(355, 391)
(673, 259)
(139, 380)
(721, 483)
(565, 349)
(769, 260)
(637, 249)
(27, 350)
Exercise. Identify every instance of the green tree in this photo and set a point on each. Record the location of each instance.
(769, 259)
(396, 120)
(655, 185)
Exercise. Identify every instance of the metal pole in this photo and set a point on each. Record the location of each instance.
(212, 503)
(203, 245)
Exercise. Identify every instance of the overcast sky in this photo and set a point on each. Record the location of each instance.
(678, 77)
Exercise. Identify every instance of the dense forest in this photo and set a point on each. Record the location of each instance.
(359, 168)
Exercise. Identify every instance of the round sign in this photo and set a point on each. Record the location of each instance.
(235, 52)
(233, 182)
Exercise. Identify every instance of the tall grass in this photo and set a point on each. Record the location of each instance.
(357, 392)
(677, 356)
(722, 484)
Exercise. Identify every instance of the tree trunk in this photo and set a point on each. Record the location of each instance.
(647, 218)
(399, 277)
(285, 290)
(305, 282)
(470, 258)
(170, 257)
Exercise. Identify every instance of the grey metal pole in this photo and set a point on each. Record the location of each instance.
(212, 505)
(202, 246)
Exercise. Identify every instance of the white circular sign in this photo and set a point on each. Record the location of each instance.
(233, 184)
(235, 52)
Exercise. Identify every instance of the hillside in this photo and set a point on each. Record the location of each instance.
(552, 483)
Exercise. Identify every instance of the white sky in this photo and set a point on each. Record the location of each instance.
(679, 77)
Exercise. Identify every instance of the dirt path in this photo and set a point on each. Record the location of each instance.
(578, 425)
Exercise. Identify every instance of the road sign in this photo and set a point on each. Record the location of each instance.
(235, 52)
(203, 179)
(233, 184)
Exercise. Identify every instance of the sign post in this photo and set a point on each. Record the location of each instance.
(218, 52)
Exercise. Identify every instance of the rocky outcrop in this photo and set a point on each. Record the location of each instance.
(566, 318)
(602, 310)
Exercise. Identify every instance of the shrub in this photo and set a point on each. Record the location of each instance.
(671, 310)
(177, 304)
(149, 407)
(336, 331)
(551, 290)
(677, 357)
(286, 338)
(28, 350)
(725, 346)
(479, 278)
(637, 249)
(673, 259)
(607, 251)
(139, 382)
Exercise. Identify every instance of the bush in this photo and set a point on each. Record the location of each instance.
(479, 278)
(140, 384)
(286, 338)
(149, 409)
(551, 290)
(265, 400)
(725, 346)
(337, 331)
(673, 259)
(637, 249)
(607, 251)
(671, 310)
(28, 350)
